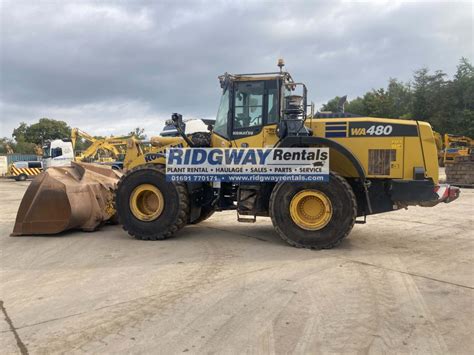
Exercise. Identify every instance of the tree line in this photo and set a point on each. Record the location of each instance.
(27, 139)
(447, 104)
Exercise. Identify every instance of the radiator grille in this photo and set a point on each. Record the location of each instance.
(380, 159)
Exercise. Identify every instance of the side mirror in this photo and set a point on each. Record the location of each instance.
(177, 119)
(180, 127)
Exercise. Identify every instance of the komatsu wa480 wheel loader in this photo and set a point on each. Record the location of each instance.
(376, 165)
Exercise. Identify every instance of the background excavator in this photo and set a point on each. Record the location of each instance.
(455, 146)
(377, 165)
(459, 160)
(60, 152)
(456, 154)
(106, 149)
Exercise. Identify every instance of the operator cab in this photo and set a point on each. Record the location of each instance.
(250, 102)
(58, 152)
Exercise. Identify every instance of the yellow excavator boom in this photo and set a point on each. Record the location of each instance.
(113, 145)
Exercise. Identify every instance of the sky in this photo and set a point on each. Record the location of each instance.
(109, 66)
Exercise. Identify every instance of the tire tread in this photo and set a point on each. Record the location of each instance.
(314, 247)
(183, 213)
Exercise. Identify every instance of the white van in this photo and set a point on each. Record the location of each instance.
(22, 170)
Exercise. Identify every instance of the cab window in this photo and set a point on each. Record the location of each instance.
(56, 152)
(20, 164)
(248, 104)
(273, 109)
(34, 164)
(47, 151)
(220, 127)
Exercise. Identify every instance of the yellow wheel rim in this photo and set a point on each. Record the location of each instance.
(310, 209)
(146, 202)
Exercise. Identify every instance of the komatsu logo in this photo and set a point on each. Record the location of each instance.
(153, 156)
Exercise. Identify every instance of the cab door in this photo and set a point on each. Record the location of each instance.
(220, 133)
(255, 113)
(248, 112)
(248, 115)
(272, 108)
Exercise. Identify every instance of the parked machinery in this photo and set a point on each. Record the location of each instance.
(455, 146)
(377, 165)
(459, 160)
(101, 149)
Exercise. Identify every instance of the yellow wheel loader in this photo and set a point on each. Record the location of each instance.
(376, 165)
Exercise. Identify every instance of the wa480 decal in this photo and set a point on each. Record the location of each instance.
(376, 129)
(369, 129)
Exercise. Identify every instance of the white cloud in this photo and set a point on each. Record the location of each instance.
(105, 118)
(110, 66)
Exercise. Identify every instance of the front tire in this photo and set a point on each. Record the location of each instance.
(313, 215)
(148, 206)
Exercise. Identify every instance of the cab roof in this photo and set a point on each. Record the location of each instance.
(285, 76)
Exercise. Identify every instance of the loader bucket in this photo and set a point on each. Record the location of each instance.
(79, 196)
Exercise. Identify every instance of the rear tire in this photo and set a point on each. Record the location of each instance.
(330, 232)
(21, 177)
(173, 214)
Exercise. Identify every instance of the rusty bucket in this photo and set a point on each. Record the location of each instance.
(79, 196)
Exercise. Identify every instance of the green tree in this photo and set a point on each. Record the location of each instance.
(21, 144)
(378, 103)
(5, 144)
(29, 136)
(447, 104)
(400, 98)
(331, 105)
(429, 96)
(45, 129)
(20, 132)
(461, 96)
(24, 147)
(357, 106)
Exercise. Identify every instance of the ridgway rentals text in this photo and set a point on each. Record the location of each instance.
(247, 164)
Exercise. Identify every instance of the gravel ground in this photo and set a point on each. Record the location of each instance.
(402, 283)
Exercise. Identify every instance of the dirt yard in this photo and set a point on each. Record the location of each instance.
(402, 283)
